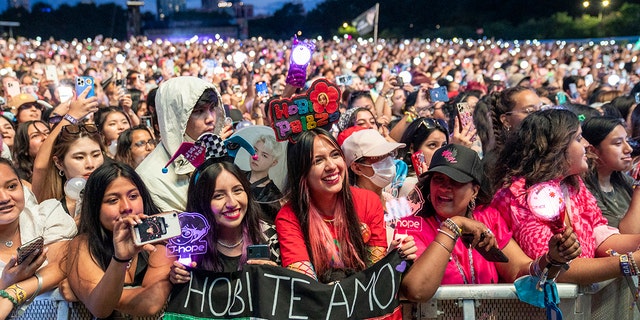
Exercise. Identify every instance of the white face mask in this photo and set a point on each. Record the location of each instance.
(383, 172)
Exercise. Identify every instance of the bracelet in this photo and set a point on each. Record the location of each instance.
(555, 263)
(452, 226)
(634, 266)
(441, 244)
(21, 294)
(121, 260)
(6, 295)
(447, 234)
(410, 116)
(70, 119)
(25, 305)
(624, 265)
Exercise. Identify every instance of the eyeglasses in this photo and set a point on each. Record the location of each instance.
(530, 109)
(434, 108)
(76, 129)
(430, 124)
(143, 143)
(27, 106)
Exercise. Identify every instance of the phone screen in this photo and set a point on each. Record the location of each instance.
(261, 89)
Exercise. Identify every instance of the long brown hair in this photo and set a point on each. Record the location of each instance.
(346, 223)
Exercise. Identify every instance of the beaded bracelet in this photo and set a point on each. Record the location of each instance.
(452, 226)
(7, 296)
(634, 266)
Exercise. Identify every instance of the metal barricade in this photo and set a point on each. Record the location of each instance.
(604, 300)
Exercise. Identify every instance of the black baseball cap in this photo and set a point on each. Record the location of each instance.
(458, 163)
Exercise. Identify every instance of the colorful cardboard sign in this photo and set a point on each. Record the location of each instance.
(317, 108)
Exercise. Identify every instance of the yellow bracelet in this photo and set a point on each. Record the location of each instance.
(21, 294)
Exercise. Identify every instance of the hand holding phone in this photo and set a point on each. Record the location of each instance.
(439, 94)
(156, 228)
(83, 82)
(465, 115)
(492, 253)
(419, 163)
(25, 250)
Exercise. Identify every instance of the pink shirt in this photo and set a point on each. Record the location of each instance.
(424, 230)
(533, 235)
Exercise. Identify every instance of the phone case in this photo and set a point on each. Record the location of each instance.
(51, 73)
(492, 254)
(574, 91)
(13, 88)
(65, 93)
(156, 228)
(465, 114)
(439, 94)
(28, 248)
(417, 159)
(258, 251)
(82, 82)
(261, 89)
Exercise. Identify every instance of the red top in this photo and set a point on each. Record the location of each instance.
(290, 236)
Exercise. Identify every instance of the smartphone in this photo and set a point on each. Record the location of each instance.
(65, 93)
(399, 81)
(51, 73)
(344, 80)
(588, 80)
(574, 91)
(637, 97)
(33, 90)
(261, 89)
(35, 245)
(82, 82)
(146, 120)
(465, 114)
(12, 88)
(561, 98)
(438, 94)
(493, 254)
(258, 251)
(156, 228)
(417, 159)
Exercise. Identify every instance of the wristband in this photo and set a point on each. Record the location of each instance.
(121, 260)
(21, 294)
(624, 265)
(70, 119)
(26, 304)
(7, 296)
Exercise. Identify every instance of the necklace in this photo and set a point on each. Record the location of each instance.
(230, 246)
(9, 243)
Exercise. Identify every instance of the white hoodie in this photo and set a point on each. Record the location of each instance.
(175, 101)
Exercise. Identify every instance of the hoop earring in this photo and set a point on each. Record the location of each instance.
(61, 173)
(472, 205)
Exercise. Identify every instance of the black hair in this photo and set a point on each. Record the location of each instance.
(99, 238)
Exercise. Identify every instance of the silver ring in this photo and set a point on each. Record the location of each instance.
(488, 231)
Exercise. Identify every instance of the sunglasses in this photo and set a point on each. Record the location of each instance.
(430, 124)
(27, 106)
(76, 129)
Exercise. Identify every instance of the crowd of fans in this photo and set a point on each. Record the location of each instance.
(461, 128)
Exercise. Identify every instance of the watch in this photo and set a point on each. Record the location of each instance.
(70, 119)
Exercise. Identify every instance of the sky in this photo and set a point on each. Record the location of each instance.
(260, 6)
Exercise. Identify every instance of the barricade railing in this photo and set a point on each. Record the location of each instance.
(599, 301)
(603, 300)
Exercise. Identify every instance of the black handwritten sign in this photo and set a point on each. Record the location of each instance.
(268, 292)
(318, 108)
